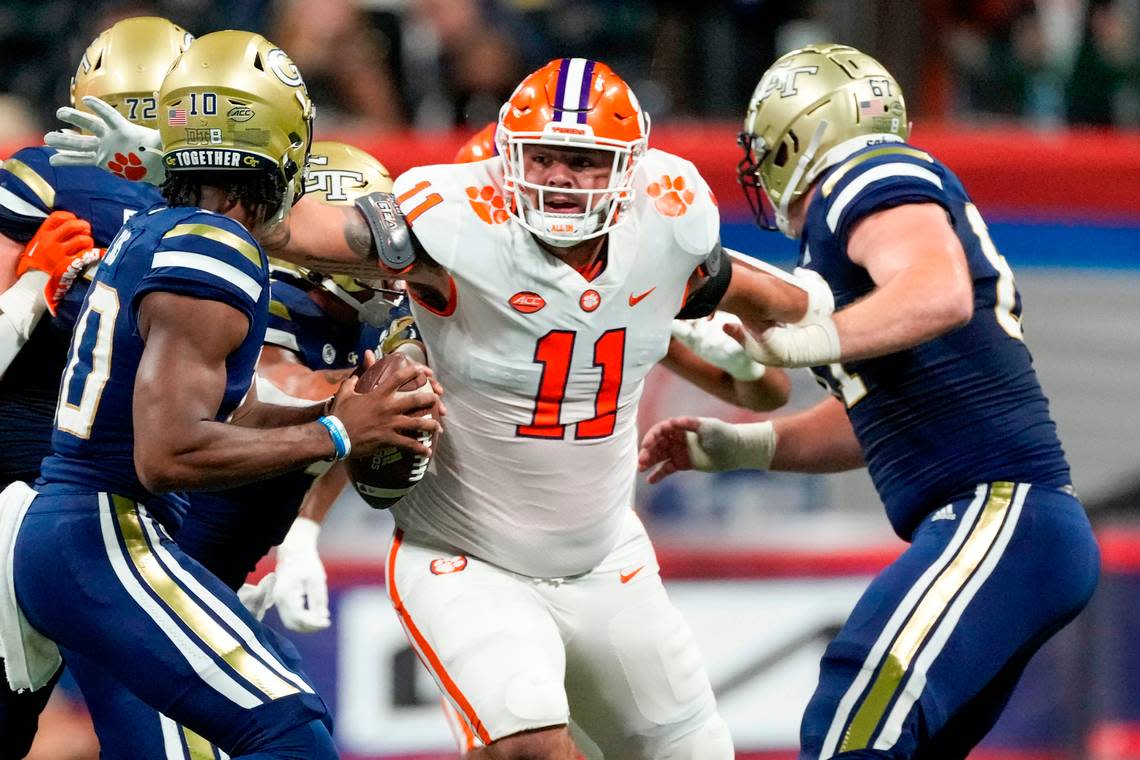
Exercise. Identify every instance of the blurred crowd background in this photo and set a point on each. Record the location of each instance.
(435, 64)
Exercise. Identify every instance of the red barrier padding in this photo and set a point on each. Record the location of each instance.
(1085, 175)
(1114, 741)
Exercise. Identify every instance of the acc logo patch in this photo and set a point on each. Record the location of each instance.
(526, 302)
(448, 565)
(488, 205)
(328, 353)
(240, 113)
(590, 300)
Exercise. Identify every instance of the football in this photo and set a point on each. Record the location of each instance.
(383, 478)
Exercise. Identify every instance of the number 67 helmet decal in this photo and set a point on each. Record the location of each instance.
(571, 103)
(812, 108)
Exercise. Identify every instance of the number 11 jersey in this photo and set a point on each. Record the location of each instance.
(543, 367)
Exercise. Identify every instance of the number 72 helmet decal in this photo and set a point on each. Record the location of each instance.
(571, 103)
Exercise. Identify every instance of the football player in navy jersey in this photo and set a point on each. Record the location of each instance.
(932, 388)
(162, 355)
(318, 330)
(124, 66)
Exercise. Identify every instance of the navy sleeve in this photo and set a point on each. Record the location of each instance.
(894, 180)
(27, 193)
(211, 257)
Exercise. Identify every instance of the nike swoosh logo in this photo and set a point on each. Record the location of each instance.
(635, 300)
(627, 577)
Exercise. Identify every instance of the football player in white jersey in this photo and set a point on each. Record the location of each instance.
(545, 284)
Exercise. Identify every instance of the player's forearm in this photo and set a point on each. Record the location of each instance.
(818, 440)
(758, 297)
(330, 239)
(324, 491)
(915, 306)
(768, 392)
(214, 455)
(260, 414)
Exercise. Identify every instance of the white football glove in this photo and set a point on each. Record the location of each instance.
(257, 599)
(116, 144)
(707, 339)
(301, 593)
(719, 446)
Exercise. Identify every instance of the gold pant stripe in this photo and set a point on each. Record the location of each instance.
(187, 609)
(199, 748)
(930, 608)
(228, 617)
(30, 177)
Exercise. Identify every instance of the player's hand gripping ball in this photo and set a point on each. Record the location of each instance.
(385, 477)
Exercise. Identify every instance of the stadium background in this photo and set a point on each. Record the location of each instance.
(1034, 104)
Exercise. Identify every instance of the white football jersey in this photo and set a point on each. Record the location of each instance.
(543, 369)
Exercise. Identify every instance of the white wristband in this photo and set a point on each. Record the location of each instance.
(718, 446)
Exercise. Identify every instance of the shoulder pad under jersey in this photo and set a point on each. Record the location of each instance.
(877, 178)
(671, 189)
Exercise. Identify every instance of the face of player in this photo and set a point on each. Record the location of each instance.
(567, 169)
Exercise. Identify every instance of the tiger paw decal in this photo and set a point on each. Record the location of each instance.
(671, 196)
(129, 166)
(488, 204)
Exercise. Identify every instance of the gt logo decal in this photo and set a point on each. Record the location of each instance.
(783, 81)
(488, 205)
(672, 197)
(448, 565)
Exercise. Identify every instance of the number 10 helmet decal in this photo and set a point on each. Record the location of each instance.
(571, 103)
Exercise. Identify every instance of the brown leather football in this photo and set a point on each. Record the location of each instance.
(385, 477)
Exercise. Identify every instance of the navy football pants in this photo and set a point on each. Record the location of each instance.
(930, 655)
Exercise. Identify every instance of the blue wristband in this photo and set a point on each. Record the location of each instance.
(338, 434)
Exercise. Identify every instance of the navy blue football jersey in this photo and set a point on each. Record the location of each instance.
(180, 250)
(299, 324)
(30, 189)
(935, 420)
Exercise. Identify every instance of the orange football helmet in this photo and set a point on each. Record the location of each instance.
(579, 103)
(481, 146)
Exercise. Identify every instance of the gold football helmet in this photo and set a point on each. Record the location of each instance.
(814, 107)
(340, 173)
(125, 65)
(337, 175)
(234, 101)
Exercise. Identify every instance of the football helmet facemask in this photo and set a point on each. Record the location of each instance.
(125, 66)
(813, 108)
(234, 101)
(571, 103)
